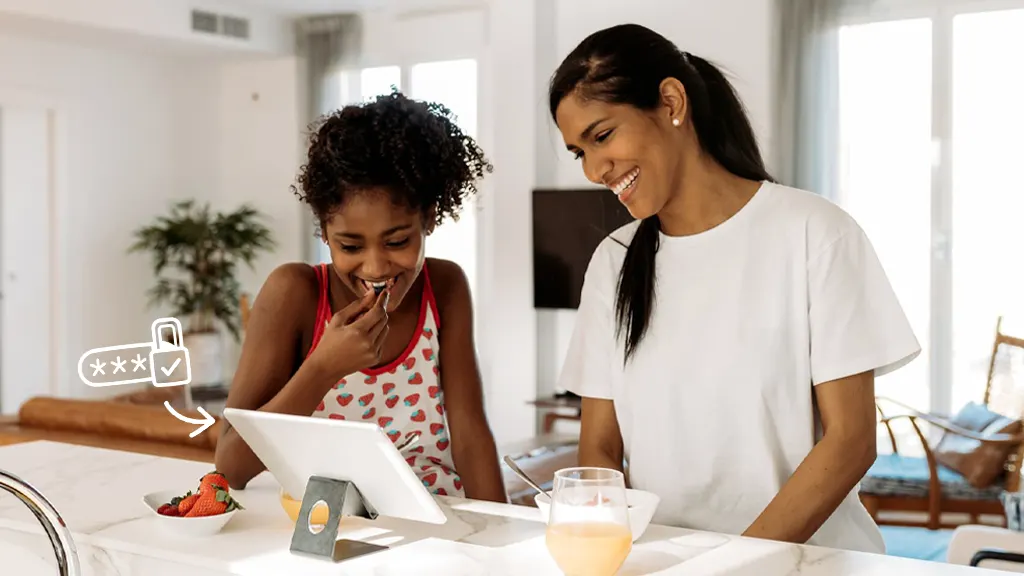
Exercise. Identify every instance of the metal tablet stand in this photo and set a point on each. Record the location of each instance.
(342, 499)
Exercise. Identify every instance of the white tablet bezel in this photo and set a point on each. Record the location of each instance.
(294, 448)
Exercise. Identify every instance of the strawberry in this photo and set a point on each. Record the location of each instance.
(167, 510)
(186, 504)
(211, 502)
(213, 480)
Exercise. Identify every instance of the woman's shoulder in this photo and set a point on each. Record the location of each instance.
(297, 276)
(606, 260)
(444, 274)
(817, 221)
(290, 288)
(448, 282)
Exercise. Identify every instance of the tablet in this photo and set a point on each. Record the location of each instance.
(294, 448)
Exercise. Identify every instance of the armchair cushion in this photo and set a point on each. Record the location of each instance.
(902, 476)
(980, 463)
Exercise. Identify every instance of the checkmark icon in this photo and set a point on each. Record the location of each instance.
(167, 371)
(170, 367)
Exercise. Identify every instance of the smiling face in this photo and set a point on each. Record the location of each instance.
(634, 153)
(374, 241)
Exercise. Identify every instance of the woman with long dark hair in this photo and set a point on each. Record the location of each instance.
(727, 340)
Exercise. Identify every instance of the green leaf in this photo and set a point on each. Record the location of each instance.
(195, 255)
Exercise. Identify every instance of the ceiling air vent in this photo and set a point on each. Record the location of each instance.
(211, 23)
(204, 21)
(235, 27)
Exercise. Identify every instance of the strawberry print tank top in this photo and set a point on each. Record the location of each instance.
(403, 398)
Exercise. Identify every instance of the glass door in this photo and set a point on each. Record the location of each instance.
(987, 193)
(885, 182)
(930, 121)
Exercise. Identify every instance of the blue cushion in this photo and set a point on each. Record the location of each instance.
(895, 475)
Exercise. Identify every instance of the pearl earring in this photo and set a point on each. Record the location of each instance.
(675, 121)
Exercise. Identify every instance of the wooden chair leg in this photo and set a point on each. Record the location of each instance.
(549, 422)
(871, 505)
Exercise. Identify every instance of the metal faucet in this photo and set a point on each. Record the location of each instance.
(53, 524)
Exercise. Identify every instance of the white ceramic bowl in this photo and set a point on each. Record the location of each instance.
(190, 527)
(642, 505)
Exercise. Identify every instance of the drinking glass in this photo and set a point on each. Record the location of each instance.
(588, 530)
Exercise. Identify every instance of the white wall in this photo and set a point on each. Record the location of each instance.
(146, 125)
(128, 117)
(510, 98)
(261, 136)
(734, 33)
(161, 20)
(392, 37)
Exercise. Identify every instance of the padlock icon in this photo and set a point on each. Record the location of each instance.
(169, 364)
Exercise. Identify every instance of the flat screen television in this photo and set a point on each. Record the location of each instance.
(568, 225)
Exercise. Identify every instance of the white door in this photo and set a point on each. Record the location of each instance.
(26, 190)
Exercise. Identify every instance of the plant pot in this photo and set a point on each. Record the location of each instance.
(206, 353)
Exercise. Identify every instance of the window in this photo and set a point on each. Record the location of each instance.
(929, 118)
(986, 202)
(454, 84)
(376, 81)
(360, 86)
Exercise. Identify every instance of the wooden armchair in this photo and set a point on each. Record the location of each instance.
(990, 432)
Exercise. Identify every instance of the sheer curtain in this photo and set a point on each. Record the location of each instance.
(328, 44)
(807, 93)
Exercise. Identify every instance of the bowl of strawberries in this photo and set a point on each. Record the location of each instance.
(202, 512)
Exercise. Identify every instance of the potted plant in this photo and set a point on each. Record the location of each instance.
(195, 260)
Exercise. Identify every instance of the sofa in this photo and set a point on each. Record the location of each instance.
(115, 424)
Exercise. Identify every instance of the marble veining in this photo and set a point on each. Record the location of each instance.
(99, 494)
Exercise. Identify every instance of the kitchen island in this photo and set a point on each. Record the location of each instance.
(99, 494)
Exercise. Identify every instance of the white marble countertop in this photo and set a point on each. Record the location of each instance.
(98, 492)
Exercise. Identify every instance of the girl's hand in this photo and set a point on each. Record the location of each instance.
(354, 337)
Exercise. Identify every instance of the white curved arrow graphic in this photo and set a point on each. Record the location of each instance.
(205, 423)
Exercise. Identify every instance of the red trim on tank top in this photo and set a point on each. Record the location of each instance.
(428, 289)
(323, 315)
(323, 310)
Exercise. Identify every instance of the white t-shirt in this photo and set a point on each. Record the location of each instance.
(716, 406)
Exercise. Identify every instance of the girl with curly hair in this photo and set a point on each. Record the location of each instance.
(380, 334)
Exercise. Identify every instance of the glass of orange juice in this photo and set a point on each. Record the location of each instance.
(588, 530)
